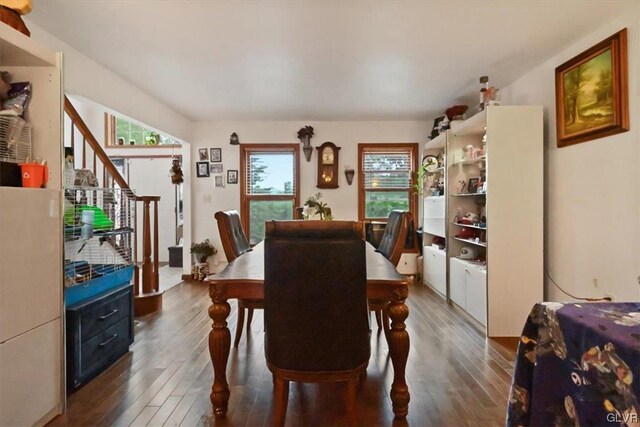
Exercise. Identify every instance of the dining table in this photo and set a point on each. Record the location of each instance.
(244, 278)
(578, 364)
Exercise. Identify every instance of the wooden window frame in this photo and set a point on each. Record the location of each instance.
(413, 196)
(245, 200)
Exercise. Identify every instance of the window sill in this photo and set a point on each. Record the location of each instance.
(143, 146)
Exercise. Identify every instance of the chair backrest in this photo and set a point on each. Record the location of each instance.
(315, 292)
(395, 235)
(234, 241)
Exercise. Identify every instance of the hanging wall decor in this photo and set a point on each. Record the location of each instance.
(177, 176)
(328, 155)
(592, 98)
(304, 135)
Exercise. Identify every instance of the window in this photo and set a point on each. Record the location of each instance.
(269, 189)
(386, 180)
(123, 132)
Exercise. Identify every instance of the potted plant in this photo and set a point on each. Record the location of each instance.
(314, 206)
(203, 250)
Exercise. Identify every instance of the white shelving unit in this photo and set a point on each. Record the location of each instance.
(31, 326)
(500, 294)
(499, 291)
(434, 222)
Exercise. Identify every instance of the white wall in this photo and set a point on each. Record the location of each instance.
(593, 188)
(85, 77)
(343, 200)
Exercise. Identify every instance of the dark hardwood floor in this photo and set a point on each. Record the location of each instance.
(456, 376)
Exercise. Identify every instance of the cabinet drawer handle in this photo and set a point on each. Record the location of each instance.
(466, 271)
(102, 344)
(108, 315)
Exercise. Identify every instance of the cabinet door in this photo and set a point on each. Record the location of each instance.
(457, 282)
(435, 265)
(31, 259)
(30, 376)
(476, 294)
(434, 215)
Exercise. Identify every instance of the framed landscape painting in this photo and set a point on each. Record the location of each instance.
(592, 92)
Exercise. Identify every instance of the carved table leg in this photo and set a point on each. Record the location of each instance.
(398, 339)
(219, 346)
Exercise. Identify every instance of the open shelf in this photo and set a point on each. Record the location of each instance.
(437, 142)
(474, 125)
(18, 50)
(471, 161)
(469, 226)
(472, 242)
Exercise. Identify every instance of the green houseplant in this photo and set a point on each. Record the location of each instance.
(203, 250)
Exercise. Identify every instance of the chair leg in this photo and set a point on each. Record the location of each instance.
(239, 326)
(281, 400)
(250, 318)
(352, 414)
(379, 318)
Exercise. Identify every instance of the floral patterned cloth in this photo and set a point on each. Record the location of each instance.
(578, 365)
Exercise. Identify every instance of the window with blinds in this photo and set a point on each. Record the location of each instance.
(269, 189)
(386, 179)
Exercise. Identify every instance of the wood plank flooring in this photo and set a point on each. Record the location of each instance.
(456, 377)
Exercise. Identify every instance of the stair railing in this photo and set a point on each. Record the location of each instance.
(147, 295)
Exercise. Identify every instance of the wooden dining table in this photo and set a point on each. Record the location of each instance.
(244, 278)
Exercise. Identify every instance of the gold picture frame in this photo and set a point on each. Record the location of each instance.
(592, 98)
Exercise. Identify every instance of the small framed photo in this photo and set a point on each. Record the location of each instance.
(218, 181)
(204, 154)
(215, 168)
(202, 169)
(472, 187)
(216, 155)
(232, 176)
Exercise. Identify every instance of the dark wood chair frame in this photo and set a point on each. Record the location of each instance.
(379, 307)
(231, 253)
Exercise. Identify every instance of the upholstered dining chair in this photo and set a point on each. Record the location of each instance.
(391, 246)
(316, 317)
(235, 243)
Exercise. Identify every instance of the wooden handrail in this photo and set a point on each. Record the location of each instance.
(147, 298)
(95, 145)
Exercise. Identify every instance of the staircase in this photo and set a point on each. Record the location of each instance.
(147, 295)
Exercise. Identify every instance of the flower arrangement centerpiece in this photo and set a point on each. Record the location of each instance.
(314, 206)
(203, 250)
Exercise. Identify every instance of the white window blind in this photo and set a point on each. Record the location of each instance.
(386, 169)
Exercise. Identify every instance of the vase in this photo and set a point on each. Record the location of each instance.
(307, 149)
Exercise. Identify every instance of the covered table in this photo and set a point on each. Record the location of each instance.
(578, 364)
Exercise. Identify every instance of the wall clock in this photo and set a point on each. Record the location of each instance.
(430, 163)
(328, 165)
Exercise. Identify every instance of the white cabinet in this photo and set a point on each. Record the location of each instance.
(31, 262)
(468, 288)
(30, 372)
(435, 269)
(501, 146)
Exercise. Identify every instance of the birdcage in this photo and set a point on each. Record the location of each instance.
(99, 233)
(15, 140)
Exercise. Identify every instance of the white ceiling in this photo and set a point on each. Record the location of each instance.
(318, 60)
